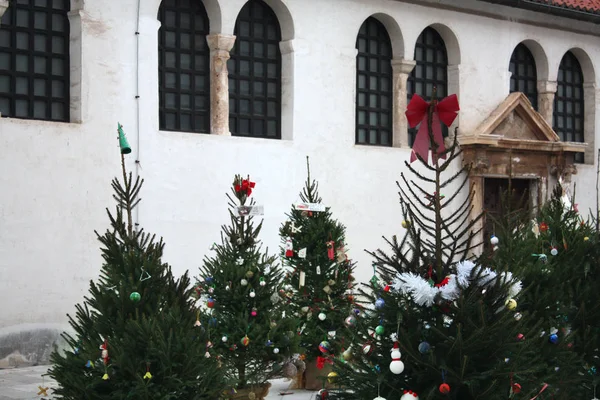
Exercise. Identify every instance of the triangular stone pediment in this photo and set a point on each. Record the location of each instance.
(516, 120)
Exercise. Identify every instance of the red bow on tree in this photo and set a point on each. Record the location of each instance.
(245, 187)
(420, 111)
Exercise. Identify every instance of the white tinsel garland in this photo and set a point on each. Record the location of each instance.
(423, 293)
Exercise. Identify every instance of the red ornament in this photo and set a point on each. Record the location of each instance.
(444, 388)
(411, 393)
(245, 187)
(443, 283)
(543, 227)
(520, 336)
(210, 303)
(386, 288)
(418, 112)
(330, 249)
(516, 388)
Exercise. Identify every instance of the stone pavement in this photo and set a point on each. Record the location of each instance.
(22, 384)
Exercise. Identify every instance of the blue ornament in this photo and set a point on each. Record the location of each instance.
(76, 350)
(356, 311)
(379, 303)
(212, 321)
(553, 338)
(209, 279)
(324, 347)
(377, 368)
(592, 370)
(269, 343)
(424, 347)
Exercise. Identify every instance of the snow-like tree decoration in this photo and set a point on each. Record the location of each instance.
(425, 294)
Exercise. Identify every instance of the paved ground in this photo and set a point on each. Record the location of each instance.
(22, 384)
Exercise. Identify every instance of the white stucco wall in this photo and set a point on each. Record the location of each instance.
(55, 177)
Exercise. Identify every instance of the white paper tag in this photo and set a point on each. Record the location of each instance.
(244, 211)
(316, 207)
(318, 270)
(302, 278)
(302, 253)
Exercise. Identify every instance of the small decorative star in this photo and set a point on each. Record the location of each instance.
(43, 391)
(295, 229)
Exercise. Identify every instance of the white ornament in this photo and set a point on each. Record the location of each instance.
(244, 282)
(252, 294)
(263, 283)
(396, 366)
(276, 350)
(322, 316)
(331, 334)
(379, 398)
(554, 251)
(494, 240)
(409, 395)
(224, 339)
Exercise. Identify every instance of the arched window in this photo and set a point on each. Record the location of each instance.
(184, 67)
(373, 85)
(523, 76)
(568, 116)
(431, 70)
(34, 60)
(255, 73)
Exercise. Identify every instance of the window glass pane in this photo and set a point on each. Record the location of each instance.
(39, 42)
(22, 18)
(22, 63)
(39, 65)
(21, 108)
(39, 109)
(58, 45)
(22, 40)
(58, 23)
(4, 84)
(39, 87)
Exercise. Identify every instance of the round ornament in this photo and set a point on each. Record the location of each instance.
(379, 303)
(380, 330)
(245, 341)
(368, 348)
(405, 224)
(494, 240)
(262, 282)
(211, 290)
(444, 388)
(254, 312)
(323, 394)
(322, 316)
(424, 347)
(381, 398)
(553, 338)
(135, 297)
(554, 251)
(332, 377)
(210, 303)
(252, 294)
(276, 350)
(268, 343)
(396, 366)
(516, 388)
(518, 316)
(520, 336)
(350, 321)
(224, 339)
(511, 304)
(249, 274)
(409, 395)
(324, 347)
(244, 282)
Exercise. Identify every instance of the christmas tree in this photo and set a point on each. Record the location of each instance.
(319, 282)
(554, 255)
(254, 338)
(433, 323)
(134, 335)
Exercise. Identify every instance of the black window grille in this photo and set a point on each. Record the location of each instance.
(568, 115)
(255, 73)
(431, 70)
(523, 76)
(373, 85)
(184, 67)
(34, 60)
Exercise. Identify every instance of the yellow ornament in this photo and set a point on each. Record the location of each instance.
(332, 377)
(405, 224)
(105, 377)
(511, 304)
(347, 355)
(585, 239)
(245, 341)
(148, 375)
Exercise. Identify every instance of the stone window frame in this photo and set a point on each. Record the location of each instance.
(75, 111)
(374, 66)
(523, 73)
(198, 54)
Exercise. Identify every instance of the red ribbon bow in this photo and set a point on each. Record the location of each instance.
(418, 112)
(321, 361)
(245, 187)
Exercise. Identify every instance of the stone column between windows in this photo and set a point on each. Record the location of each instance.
(401, 69)
(219, 45)
(3, 7)
(546, 93)
(590, 98)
